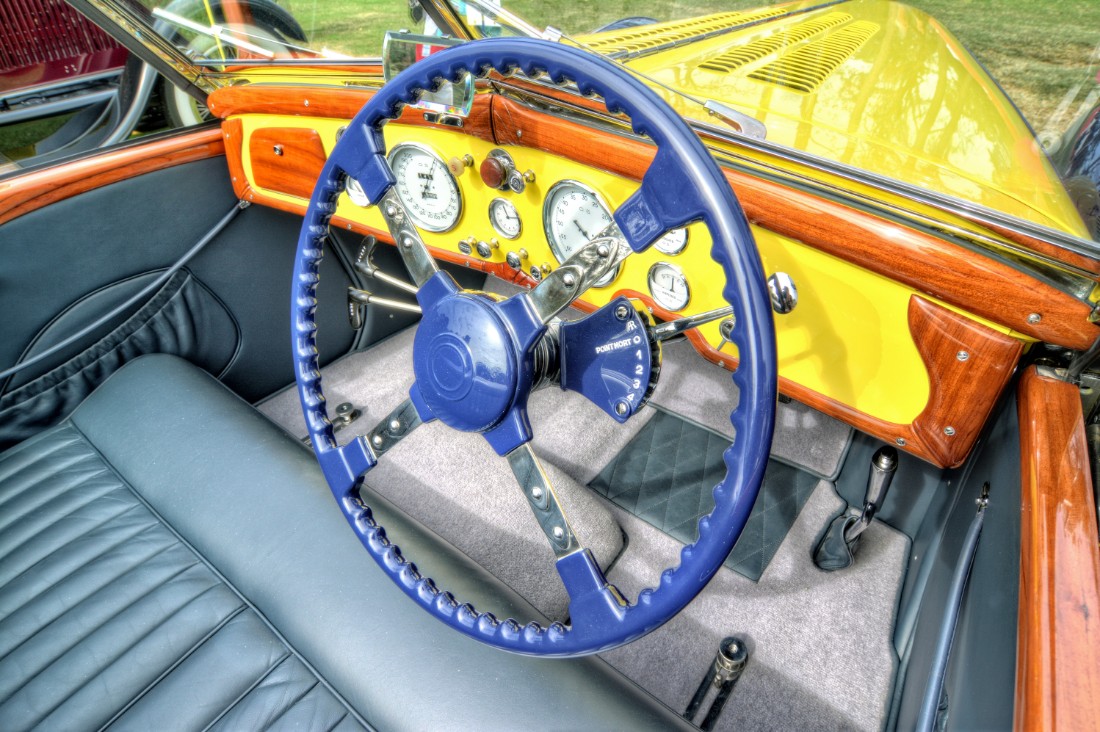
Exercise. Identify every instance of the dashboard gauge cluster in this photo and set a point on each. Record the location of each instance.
(426, 187)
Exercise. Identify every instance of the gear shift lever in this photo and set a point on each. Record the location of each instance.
(837, 548)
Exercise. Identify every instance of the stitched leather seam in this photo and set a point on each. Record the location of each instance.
(47, 497)
(30, 461)
(85, 598)
(251, 687)
(89, 632)
(118, 653)
(62, 547)
(164, 674)
(288, 707)
(336, 695)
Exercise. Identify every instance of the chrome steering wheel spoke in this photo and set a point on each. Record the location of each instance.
(397, 425)
(561, 288)
(418, 260)
(544, 503)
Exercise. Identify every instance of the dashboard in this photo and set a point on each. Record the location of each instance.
(858, 345)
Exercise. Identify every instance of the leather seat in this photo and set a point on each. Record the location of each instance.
(169, 559)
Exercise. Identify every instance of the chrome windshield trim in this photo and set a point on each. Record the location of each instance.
(139, 37)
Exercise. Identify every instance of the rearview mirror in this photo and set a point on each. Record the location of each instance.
(402, 50)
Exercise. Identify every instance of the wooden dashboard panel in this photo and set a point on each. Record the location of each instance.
(928, 400)
(286, 159)
(1058, 647)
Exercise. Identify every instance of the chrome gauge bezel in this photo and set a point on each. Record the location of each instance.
(420, 223)
(679, 274)
(547, 222)
(663, 247)
(355, 192)
(496, 202)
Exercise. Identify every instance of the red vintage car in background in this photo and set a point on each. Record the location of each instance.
(74, 87)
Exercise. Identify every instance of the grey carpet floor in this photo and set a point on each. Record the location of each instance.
(822, 657)
(821, 651)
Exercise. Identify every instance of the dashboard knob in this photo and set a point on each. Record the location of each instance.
(494, 173)
(457, 165)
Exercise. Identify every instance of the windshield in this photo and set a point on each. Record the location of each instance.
(979, 102)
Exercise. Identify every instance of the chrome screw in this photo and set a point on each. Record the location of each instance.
(622, 312)
(1034, 318)
(949, 431)
(962, 355)
(558, 533)
(621, 408)
(900, 441)
(395, 425)
(376, 440)
(536, 493)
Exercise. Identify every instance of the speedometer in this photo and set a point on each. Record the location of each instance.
(426, 187)
(572, 216)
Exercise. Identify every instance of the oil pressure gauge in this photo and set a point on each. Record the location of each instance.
(505, 218)
(668, 286)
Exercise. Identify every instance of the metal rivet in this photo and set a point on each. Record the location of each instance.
(568, 280)
(900, 441)
(278, 149)
(306, 102)
(395, 425)
(962, 355)
(558, 533)
(603, 251)
(519, 133)
(377, 440)
(408, 241)
(621, 408)
(949, 431)
(536, 493)
(622, 312)
(1034, 318)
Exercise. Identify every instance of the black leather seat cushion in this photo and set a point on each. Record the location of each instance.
(169, 559)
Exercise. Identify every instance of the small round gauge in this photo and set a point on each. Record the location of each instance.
(668, 286)
(572, 216)
(426, 187)
(505, 218)
(673, 242)
(356, 193)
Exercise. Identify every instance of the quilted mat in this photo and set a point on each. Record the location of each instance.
(666, 476)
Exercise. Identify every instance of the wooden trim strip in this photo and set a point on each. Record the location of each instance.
(232, 101)
(31, 191)
(1058, 646)
(980, 285)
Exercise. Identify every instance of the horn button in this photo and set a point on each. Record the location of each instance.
(466, 366)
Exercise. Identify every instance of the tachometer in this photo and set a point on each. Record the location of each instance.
(572, 216)
(426, 187)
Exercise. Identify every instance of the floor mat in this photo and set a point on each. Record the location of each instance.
(666, 477)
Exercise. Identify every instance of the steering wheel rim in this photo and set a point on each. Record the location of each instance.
(683, 184)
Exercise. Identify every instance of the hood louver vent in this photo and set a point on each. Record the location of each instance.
(648, 36)
(807, 68)
(761, 47)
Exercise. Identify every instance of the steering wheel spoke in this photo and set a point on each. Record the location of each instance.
(418, 260)
(396, 426)
(540, 495)
(588, 265)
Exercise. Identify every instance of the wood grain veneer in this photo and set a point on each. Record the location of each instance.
(22, 194)
(344, 104)
(1058, 646)
(286, 159)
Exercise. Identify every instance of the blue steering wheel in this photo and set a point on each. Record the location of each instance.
(476, 359)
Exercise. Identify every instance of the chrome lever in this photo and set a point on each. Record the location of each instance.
(676, 328)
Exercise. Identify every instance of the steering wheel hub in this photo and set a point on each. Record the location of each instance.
(466, 366)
